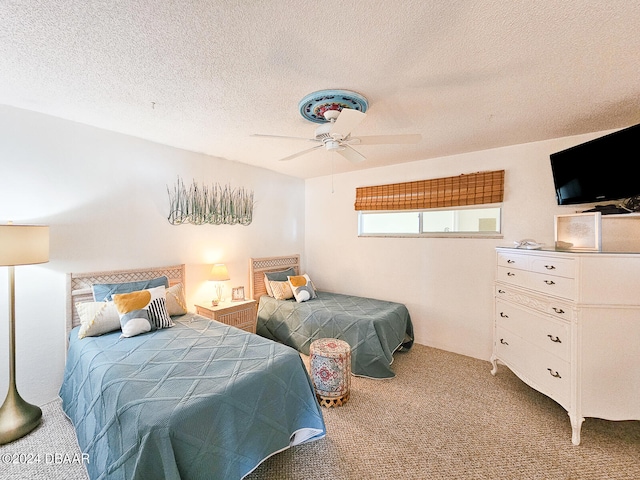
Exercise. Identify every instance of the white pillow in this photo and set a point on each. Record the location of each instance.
(97, 318)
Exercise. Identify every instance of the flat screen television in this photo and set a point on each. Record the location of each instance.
(602, 169)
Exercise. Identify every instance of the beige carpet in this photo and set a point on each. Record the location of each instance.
(444, 416)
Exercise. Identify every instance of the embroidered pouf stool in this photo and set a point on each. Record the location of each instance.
(330, 361)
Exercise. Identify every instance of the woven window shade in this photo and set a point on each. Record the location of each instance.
(472, 189)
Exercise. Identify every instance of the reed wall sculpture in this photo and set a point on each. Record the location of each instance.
(214, 204)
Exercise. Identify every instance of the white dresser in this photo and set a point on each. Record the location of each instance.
(568, 324)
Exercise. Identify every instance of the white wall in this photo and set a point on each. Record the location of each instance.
(105, 198)
(445, 283)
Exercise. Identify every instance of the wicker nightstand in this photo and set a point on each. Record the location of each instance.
(237, 314)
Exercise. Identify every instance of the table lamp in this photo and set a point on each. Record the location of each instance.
(19, 245)
(219, 274)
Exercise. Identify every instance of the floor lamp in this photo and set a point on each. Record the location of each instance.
(19, 245)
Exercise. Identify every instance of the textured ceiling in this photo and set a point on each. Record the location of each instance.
(205, 75)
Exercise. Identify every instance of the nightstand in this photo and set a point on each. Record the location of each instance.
(242, 314)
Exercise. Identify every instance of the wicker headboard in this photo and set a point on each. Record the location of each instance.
(258, 267)
(79, 284)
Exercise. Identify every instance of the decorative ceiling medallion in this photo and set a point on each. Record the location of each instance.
(313, 106)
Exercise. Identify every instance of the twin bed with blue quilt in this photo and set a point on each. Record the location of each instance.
(374, 329)
(197, 400)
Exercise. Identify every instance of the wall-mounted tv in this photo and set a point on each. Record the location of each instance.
(602, 169)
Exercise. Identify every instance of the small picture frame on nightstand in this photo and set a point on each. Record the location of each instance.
(237, 294)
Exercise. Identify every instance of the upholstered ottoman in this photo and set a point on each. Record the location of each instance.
(330, 361)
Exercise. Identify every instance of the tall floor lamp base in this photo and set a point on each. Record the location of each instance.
(19, 245)
(17, 417)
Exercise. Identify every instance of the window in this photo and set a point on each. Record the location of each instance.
(482, 221)
(372, 223)
(461, 206)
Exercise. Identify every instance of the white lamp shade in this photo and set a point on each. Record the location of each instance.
(23, 244)
(219, 273)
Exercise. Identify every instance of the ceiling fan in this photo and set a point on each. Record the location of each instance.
(340, 111)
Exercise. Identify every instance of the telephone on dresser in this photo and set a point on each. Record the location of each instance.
(528, 244)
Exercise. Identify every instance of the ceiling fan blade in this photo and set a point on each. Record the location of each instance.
(347, 121)
(351, 154)
(295, 155)
(284, 136)
(384, 139)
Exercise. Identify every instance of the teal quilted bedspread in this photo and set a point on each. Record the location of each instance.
(374, 329)
(198, 400)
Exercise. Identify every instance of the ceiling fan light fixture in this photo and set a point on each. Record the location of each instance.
(332, 114)
(323, 131)
(315, 106)
(339, 112)
(333, 145)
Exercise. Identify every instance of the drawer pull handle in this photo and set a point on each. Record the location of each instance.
(511, 261)
(504, 315)
(556, 340)
(500, 291)
(549, 267)
(503, 342)
(554, 374)
(558, 310)
(509, 274)
(549, 282)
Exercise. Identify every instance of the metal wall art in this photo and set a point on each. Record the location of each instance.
(215, 204)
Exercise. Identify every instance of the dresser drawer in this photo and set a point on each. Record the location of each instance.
(560, 309)
(513, 276)
(511, 349)
(554, 378)
(541, 330)
(513, 260)
(540, 369)
(562, 267)
(550, 305)
(539, 282)
(551, 285)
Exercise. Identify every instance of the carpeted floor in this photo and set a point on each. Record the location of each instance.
(444, 416)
